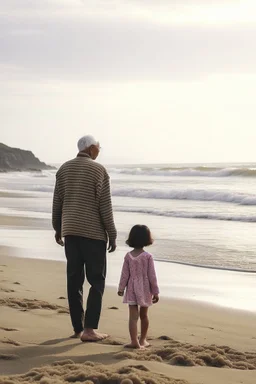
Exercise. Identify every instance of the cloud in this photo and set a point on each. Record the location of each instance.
(71, 40)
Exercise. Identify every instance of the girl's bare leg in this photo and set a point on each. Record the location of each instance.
(144, 326)
(133, 321)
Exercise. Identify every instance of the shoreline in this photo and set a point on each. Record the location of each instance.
(4, 250)
(207, 266)
(221, 288)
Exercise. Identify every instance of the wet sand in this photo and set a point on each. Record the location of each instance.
(190, 342)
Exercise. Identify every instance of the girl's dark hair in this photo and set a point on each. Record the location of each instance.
(139, 237)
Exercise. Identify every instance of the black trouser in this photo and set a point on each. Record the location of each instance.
(85, 256)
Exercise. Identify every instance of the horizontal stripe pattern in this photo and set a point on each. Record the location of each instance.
(82, 200)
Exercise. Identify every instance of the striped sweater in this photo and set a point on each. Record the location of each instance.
(82, 200)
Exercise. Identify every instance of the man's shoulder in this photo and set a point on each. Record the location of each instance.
(64, 166)
(97, 168)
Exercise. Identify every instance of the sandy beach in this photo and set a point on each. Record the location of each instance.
(120, 114)
(190, 342)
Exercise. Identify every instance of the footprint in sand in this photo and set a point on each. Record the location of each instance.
(8, 357)
(110, 341)
(28, 304)
(17, 283)
(7, 290)
(113, 308)
(164, 337)
(63, 310)
(9, 341)
(8, 329)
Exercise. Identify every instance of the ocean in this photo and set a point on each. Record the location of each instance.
(202, 217)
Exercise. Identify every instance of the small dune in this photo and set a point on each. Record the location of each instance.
(89, 373)
(28, 304)
(184, 354)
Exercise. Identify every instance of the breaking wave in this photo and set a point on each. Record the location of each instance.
(186, 171)
(187, 194)
(189, 215)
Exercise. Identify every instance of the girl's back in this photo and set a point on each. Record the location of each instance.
(139, 278)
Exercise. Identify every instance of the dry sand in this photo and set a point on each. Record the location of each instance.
(190, 342)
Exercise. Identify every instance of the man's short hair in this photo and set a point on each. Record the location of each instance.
(85, 142)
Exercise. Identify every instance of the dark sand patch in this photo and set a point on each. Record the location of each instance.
(28, 304)
(63, 310)
(61, 298)
(8, 329)
(7, 357)
(17, 283)
(164, 338)
(184, 354)
(89, 373)
(113, 308)
(6, 290)
(10, 341)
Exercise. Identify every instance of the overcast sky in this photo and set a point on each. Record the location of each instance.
(153, 80)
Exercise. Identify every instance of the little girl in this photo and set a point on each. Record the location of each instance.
(138, 279)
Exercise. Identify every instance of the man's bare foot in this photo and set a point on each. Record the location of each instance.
(91, 335)
(76, 335)
(144, 343)
(134, 346)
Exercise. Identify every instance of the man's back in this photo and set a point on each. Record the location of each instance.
(82, 201)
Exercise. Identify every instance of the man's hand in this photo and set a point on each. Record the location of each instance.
(120, 293)
(111, 246)
(155, 299)
(59, 239)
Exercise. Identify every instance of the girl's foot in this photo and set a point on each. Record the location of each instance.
(134, 346)
(144, 343)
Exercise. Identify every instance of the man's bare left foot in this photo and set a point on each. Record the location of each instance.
(93, 336)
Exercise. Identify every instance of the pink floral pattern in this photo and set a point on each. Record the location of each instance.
(138, 279)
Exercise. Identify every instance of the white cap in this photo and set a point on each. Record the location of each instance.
(85, 142)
